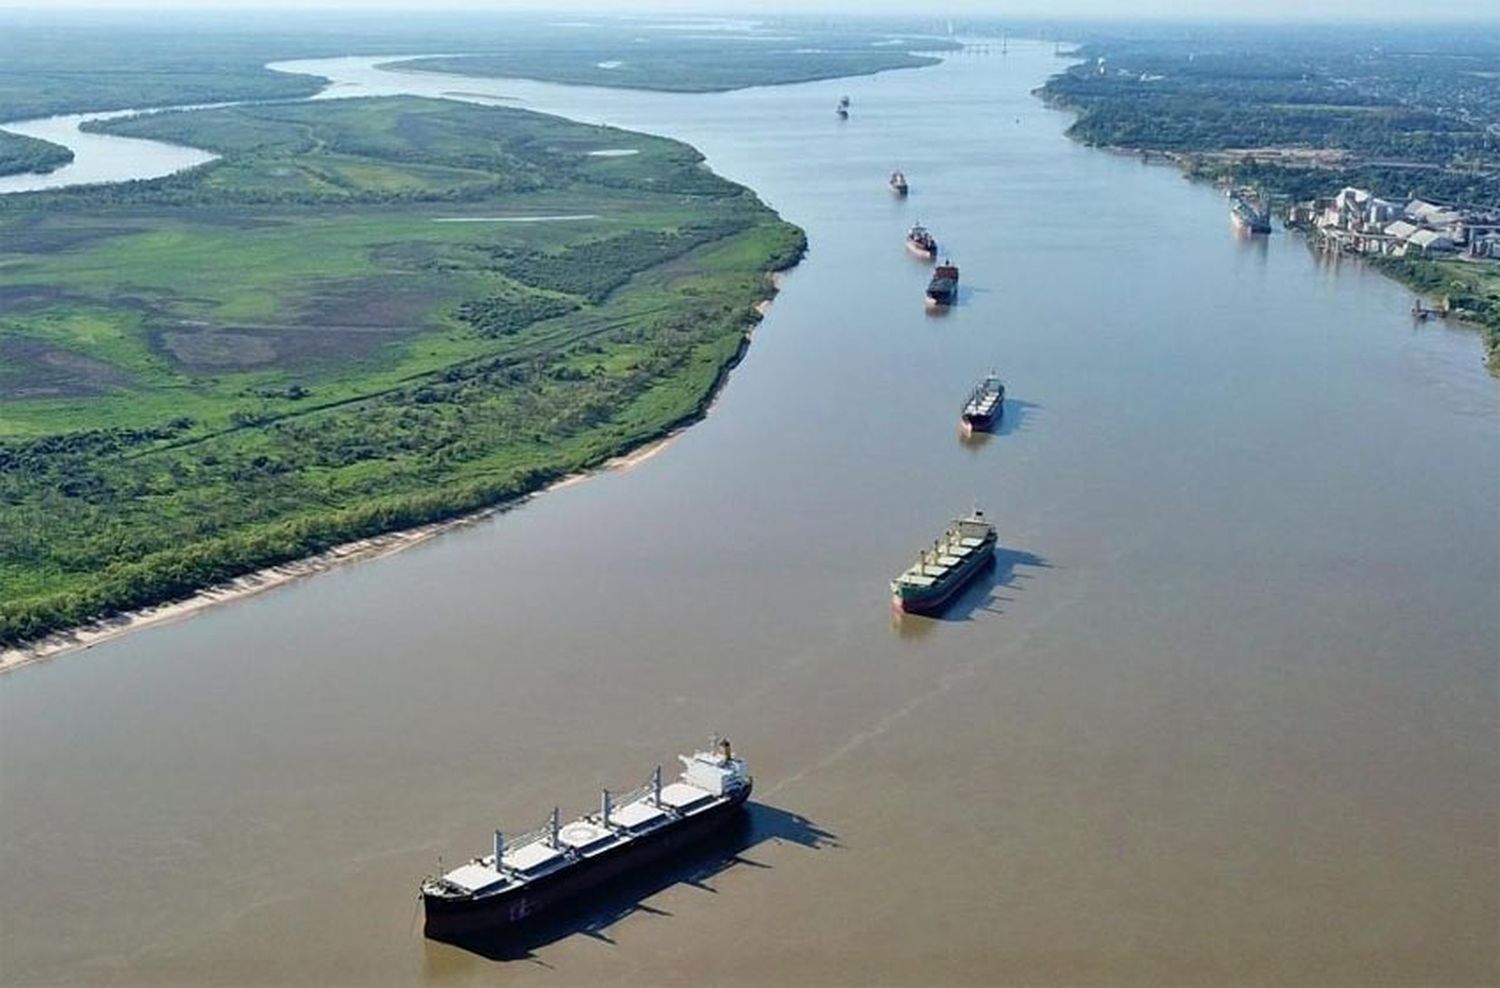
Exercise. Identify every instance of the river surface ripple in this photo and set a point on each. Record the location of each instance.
(1225, 713)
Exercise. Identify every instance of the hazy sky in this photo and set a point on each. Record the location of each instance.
(1266, 10)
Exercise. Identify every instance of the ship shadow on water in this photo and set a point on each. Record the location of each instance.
(982, 595)
(1017, 412)
(624, 897)
(1011, 421)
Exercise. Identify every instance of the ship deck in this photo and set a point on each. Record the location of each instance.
(927, 573)
(532, 855)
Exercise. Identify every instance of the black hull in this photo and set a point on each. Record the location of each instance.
(455, 919)
(982, 423)
(943, 288)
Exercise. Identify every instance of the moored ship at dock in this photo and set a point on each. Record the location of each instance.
(1249, 211)
(560, 862)
(943, 288)
(986, 404)
(921, 242)
(941, 572)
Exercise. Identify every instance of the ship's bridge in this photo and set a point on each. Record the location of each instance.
(717, 772)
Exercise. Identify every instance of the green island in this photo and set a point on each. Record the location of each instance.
(20, 154)
(366, 315)
(47, 68)
(681, 65)
(1409, 113)
(102, 61)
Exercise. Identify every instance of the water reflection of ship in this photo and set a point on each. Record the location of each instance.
(973, 440)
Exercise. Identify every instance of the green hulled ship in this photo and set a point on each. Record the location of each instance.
(942, 571)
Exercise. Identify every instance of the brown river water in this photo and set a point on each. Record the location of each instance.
(1224, 714)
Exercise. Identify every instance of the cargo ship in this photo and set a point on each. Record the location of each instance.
(1250, 212)
(986, 404)
(898, 183)
(562, 862)
(920, 242)
(943, 288)
(942, 571)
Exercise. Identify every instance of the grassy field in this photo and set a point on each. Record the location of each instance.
(296, 346)
(19, 153)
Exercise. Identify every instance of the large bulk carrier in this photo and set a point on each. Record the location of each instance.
(942, 571)
(921, 242)
(986, 404)
(1250, 212)
(942, 290)
(536, 871)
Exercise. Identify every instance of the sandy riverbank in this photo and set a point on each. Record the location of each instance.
(272, 577)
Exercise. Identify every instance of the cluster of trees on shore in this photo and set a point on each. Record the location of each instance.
(20, 154)
(1402, 96)
(594, 268)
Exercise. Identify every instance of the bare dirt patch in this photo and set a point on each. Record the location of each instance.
(397, 301)
(36, 369)
(246, 347)
(18, 299)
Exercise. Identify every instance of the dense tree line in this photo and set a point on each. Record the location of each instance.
(595, 268)
(513, 311)
(1172, 95)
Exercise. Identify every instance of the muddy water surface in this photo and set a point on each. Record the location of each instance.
(1226, 712)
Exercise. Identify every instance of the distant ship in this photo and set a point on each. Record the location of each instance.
(943, 288)
(920, 242)
(525, 875)
(898, 183)
(986, 404)
(843, 108)
(942, 571)
(1250, 212)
